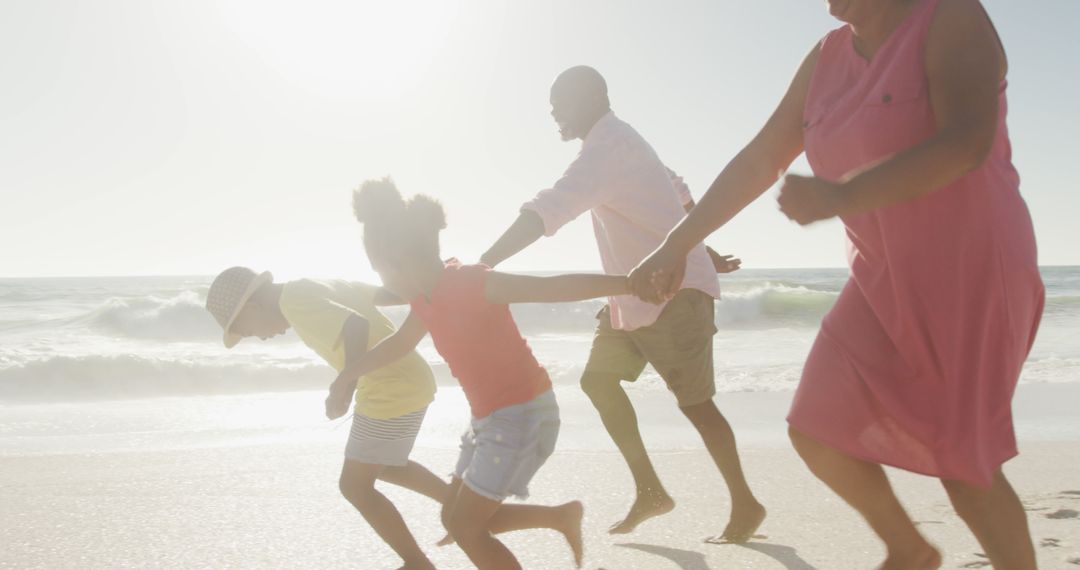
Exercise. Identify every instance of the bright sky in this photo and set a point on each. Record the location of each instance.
(153, 137)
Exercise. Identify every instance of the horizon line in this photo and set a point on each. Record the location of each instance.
(570, 270)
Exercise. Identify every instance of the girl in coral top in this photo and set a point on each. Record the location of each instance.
(465, 308)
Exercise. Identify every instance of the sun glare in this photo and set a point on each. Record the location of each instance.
(337, 49)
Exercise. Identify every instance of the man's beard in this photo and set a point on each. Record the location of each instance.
(566, 132)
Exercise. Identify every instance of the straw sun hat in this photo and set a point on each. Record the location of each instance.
(228, 293)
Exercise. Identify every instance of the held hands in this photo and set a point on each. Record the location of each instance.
(806, 200)
(803, 199)
(658, 277)
(337, 402)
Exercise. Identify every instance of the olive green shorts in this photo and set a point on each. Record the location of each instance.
(679, 345)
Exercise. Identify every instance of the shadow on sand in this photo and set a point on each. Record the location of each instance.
(686, 559)
(690, 560)
(785, 555)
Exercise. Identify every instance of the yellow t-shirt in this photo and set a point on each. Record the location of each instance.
(317, 311)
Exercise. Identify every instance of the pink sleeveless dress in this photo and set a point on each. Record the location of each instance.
(916, 364)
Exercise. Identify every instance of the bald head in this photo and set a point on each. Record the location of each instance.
(580, 82)
(579, 98)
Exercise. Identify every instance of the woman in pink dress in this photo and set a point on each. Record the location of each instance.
(901, 113)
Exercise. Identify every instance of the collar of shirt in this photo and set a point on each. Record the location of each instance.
(599, 129)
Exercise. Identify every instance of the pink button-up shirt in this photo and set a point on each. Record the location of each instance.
(635, 201)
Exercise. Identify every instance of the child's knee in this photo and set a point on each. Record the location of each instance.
(462, 526)
(459, 529)
(445, 512)
(359, 493)
(449, 502)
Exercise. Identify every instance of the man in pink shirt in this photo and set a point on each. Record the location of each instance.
(635, 201)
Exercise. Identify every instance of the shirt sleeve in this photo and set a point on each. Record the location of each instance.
(582, 187)
(313, 314)
(680, 186)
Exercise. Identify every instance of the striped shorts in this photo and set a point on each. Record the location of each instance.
(383, 442)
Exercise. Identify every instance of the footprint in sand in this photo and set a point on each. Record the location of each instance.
(1050, 543)
(978, 563)
(1074, 561)
(1063, 514)
(1071, 494)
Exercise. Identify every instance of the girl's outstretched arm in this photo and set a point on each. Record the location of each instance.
(389, 350)
(384, 298)
(504, 288)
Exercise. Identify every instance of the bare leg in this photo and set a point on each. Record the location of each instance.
(865, 487)
(747, 513)
(416, 477)
(469, 520)
(565, 518)
(997, 519)
(617, 414)
(358, 486)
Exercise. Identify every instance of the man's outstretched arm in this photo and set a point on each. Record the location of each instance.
(528, 228)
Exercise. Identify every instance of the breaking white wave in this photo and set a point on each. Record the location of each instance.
(75, 339)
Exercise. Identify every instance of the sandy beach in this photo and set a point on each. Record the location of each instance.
(261, 492)
(206, 207)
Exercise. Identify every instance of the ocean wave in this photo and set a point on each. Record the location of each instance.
(542, 318)
(64, 378)
(746, 305)
(182, 317)
(780, 304)
(1063, 305)
(771, 304)
(81, 378)
(1051, 370)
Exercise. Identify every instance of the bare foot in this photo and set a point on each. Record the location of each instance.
(644, 508)
(927, 559)
(571, 515)
(418, 565)
(741, 527)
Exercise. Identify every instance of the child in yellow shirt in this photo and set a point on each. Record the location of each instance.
(339, 321)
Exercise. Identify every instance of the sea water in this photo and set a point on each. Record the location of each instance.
(114, 363)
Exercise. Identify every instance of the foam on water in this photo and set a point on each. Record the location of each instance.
(181, 317)
(108, 338)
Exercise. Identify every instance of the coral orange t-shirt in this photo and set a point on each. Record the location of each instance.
(480, 341)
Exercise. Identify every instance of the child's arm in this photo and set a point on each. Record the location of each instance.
(389, 350)
(384, 298)
(355, 338)
(510, 288)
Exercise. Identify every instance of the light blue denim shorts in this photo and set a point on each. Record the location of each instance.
(502, 452)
